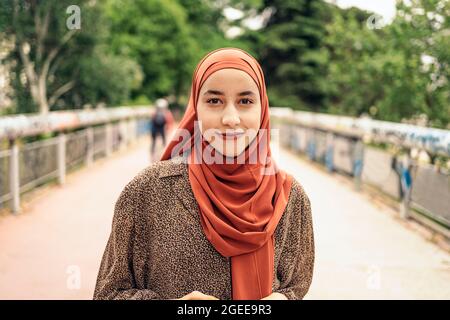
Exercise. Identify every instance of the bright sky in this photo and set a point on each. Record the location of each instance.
(385, 8)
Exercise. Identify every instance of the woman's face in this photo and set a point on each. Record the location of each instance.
(229, 111)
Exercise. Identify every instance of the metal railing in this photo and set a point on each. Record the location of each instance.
(341, 144)
(25, 166)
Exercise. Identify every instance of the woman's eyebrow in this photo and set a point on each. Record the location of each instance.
(243, 93)
(247, 93)
(216, 92)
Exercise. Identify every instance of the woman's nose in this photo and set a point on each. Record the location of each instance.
(230, 116)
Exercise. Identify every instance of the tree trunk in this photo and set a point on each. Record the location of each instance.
(43, 103)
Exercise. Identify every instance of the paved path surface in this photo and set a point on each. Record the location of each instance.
(53, 249)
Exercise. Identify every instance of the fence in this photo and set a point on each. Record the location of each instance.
(423, 190)
(98, 134)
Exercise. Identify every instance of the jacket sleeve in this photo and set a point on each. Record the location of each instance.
(296, 265)
(116, 279)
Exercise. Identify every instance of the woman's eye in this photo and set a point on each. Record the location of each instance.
(246, 101)
(213, 101)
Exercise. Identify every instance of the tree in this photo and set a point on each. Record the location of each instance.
(48, 54)
(292, 53)
(395, 73)
(420, 34)
(155, 33)
(40, 36)
(354, 80)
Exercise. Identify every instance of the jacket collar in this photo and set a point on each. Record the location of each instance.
(174, 169)
(181, 186)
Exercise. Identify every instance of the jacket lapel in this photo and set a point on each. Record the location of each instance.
(181, 186)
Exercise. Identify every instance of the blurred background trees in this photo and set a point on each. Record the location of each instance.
(316, 56)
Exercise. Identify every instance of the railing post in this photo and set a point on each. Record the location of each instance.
(123, 134)
(406, 185)
(129, 126)
(90, 146)
(133, 130)
(62, 158)
(358, 163)
(14, 176)
(311, 145)
(109, 139)
(329, 152)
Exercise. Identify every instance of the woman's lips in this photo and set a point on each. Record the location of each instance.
(231, 135)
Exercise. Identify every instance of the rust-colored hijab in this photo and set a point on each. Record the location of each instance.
(240, 204)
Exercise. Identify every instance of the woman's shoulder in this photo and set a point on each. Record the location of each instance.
(299, 203)
(154, 174)
(298, 191)
(144, 187)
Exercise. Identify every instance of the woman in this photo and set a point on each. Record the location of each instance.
(214, 218)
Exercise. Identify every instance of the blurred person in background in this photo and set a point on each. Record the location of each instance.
(160, 124)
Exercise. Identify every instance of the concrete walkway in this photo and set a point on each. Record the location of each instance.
(53, 249)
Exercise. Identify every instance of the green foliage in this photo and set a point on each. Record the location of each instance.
(292, 53)
(315, 55)
(156, 35)
(382, 72)
(107, 78)
(94, 74)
